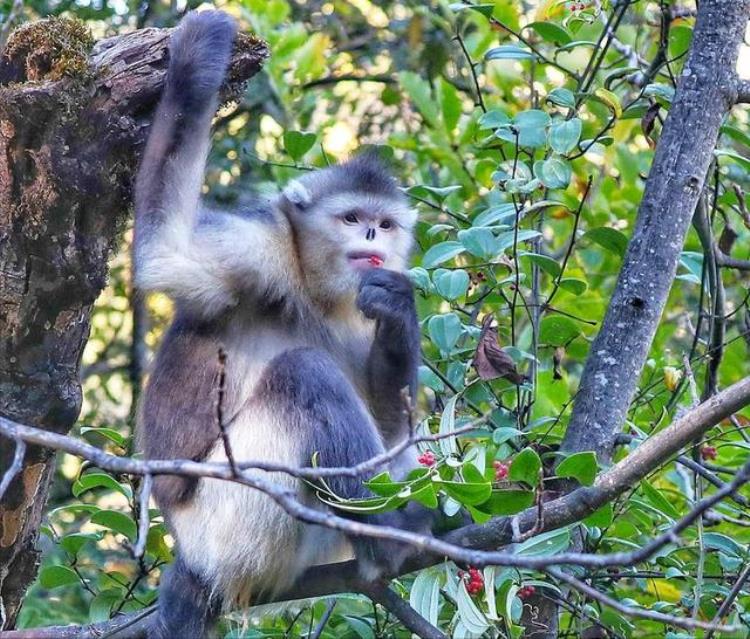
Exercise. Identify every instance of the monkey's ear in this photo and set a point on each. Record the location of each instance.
(297, 193)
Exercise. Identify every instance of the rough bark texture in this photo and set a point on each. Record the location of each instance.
(73, 118)
(706, 90)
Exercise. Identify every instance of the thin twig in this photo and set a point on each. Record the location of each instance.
(733, 594)
(15, 467)
(220, 411)
(323, 620)
(143, 516)
(630, 611)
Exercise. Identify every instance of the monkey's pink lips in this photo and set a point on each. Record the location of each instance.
(362, 260)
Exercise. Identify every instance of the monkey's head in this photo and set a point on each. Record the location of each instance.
(348, 218)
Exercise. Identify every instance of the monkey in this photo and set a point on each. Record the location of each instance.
(308, 297)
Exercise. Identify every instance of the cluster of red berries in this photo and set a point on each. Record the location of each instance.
(579, 6)
(427, 458)
(501, 470)
(708, 452)
(526, 591)
(473, 580)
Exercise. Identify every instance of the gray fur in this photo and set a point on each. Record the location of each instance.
(318, 350)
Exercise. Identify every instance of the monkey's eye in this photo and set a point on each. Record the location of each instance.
(386, 225)
(350, 218)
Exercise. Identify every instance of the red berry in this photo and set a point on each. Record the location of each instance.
(501, 470)
(708, 452)
(473, 580)
(526, 591)
(427, 458)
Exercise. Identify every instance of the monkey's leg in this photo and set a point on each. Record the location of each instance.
(186, 608)
(323, 412)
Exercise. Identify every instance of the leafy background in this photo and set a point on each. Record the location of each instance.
(523, 134)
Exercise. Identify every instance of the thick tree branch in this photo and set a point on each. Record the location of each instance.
(706, 91)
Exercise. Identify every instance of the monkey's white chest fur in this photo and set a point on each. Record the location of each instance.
(223, 531)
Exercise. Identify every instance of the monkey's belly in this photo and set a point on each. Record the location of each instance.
(237, 538)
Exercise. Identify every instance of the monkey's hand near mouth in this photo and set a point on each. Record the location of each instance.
(388, 298)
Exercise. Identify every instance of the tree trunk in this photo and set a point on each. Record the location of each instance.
(73, 120)
(706, 90)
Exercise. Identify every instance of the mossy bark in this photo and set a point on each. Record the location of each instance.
(74, 116)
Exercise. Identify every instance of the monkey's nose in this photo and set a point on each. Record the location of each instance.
(370, 234)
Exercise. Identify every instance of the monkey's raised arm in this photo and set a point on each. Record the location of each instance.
(205, 262)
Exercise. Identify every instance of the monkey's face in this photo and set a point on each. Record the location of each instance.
(345, 234)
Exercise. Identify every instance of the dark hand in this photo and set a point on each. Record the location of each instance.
(388, 297)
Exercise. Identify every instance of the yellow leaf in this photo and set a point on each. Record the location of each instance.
(663, 590)
(549, 9)
(610, 99)
(672, 377)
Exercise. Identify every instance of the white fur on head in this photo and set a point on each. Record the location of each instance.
(297, 194)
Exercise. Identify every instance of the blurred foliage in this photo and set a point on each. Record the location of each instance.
(523, 133)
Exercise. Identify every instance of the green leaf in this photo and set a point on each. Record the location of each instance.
(428, 378)
(573, 285)
(117, 522)
(485, 9)
(554, 173)
(547, 264)
(109, 433)
(156, 543)
(420, 278)
(450, 104)
(505, 240)
(509, 52)
(551, 32)
(470, 617)
(658, 501)
(564, 135)
(425, 595)
(99, 480)
(717, 541)
(493, 215)
(444, 331)
(479, 241)
(526, 467)
(601, 518)
(470, 494)
(451, 284)
(549, 543)
(297, 143)
(440, 253)
(56, 576)
(557, 330)
(448, 445)
(438, 193)
(531, 126)
(508, 501)
(504, 433)
(608, 238)
(75, 541)
(493, 119)
(562, 97)
(420, 94)
(101, 606)
(426, 496)
(580, 466)
(663, 93)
